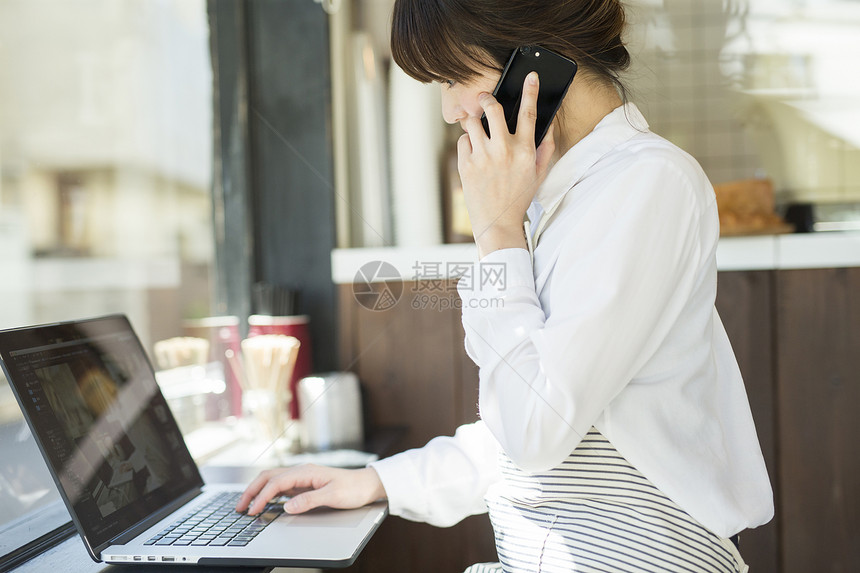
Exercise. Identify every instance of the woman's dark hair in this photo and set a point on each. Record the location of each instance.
(442, 40)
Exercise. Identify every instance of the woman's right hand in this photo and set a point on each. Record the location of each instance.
(312, 486)
(502, 173)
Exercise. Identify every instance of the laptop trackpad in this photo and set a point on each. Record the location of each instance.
(325, 517)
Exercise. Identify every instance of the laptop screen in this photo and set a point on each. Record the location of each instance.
(89, 393)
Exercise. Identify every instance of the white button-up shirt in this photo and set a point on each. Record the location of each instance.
(610, 323)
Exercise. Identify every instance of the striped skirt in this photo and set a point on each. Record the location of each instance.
(596, 512)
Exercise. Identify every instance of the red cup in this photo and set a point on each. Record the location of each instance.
(222, 332)
(296, 326)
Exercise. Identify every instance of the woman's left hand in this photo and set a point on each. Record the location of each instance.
(501, 173)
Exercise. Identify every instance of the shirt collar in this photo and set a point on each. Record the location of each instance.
(615, 128)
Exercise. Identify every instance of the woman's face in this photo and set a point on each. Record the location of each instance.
(460, 99)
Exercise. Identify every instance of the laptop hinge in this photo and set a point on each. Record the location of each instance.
(150, 520)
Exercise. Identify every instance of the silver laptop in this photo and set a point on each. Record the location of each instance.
(88, 392)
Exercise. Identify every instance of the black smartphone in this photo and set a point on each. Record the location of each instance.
(555, 72)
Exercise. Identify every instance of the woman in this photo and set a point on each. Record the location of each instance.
(615, 432)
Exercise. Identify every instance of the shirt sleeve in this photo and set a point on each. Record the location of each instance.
(625, 270)
(446, 480)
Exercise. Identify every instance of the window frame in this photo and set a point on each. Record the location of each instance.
(21, 529)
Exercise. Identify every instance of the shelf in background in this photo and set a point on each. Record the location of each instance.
(767, 252)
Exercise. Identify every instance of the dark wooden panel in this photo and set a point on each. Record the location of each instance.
(403, 357)
(231, 196)
(745, 304)
(818, 373)
(399, 546)
(292, 164)
(346, 327)
(415, 373)
(273, 197)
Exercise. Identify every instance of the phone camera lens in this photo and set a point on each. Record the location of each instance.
(526, 50)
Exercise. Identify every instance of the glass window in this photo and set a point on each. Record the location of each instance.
(755, 89)
(105, 195)
(30, 505)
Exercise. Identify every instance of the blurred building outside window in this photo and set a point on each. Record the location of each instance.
(105, 191)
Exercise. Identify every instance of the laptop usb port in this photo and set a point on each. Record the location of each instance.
(168, 558)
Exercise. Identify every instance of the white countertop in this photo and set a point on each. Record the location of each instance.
(769, 252)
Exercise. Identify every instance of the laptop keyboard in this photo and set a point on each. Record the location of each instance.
(215, 523)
